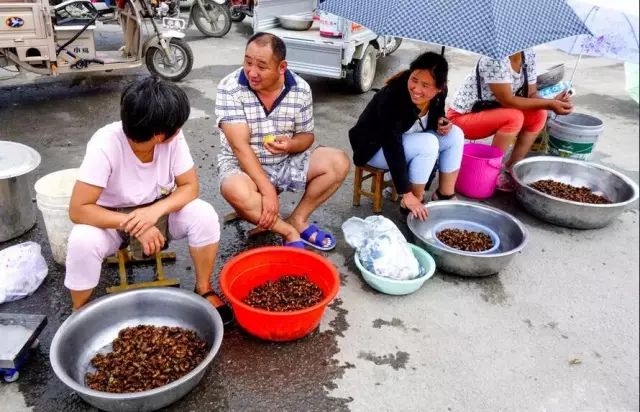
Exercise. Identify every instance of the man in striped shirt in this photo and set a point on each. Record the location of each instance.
(265, 115)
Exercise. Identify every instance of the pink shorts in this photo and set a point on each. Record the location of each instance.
(89, 245)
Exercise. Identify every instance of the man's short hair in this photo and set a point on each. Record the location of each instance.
(152, 106)
(267, 39)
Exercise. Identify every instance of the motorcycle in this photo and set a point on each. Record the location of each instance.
(211, 17)
(63, 40)
(165, 8)
(240, 9)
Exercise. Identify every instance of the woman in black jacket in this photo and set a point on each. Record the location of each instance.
(404, 129)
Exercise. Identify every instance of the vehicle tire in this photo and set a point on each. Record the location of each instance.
(395, 46)
(157, 63)
(236, 16)
(220, 15)
(11, 378)
(364, 70)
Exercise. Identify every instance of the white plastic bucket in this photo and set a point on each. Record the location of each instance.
(573, 135)
(53, 193)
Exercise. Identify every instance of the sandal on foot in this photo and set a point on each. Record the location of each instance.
(505, 183)
(224, 310)
(319, 241)
(298, 244)
(439, 196)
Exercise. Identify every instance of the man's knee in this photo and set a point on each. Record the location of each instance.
(237, 189)
(341, 165)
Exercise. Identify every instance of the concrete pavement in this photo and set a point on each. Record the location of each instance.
(507, 342)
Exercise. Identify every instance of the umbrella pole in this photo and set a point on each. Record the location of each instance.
(574, 70)
(442, 51)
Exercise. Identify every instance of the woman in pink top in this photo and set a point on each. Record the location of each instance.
(142, 165)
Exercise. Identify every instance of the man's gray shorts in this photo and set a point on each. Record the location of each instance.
(290, 175)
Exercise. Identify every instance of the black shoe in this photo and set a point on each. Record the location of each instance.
(224, 311)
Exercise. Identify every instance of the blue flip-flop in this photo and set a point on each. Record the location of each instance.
(298, 244)
(318, 242)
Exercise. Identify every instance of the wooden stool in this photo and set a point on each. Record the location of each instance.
(377, 186)
(124, 256)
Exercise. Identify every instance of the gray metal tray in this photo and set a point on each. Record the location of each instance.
(18, 332)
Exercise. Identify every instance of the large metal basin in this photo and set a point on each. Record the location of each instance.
(95, 326)
(513, 237)
(615, 186)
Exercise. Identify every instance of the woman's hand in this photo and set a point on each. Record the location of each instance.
(411, 202)
(561, 107)
(280, 145)
(151, 240)
(563, 97)
(444, 126)
(138, 221)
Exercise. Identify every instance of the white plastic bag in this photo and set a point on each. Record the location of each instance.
(22, 270)
(381, 247)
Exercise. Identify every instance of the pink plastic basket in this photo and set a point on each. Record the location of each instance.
(479, 170)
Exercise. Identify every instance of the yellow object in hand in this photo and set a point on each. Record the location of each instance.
(269, 139)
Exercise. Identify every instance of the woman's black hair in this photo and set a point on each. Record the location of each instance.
(151, 106)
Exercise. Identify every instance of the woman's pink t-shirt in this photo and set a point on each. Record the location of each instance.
(111, 164)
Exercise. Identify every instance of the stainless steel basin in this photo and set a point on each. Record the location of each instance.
(615, 186)
(513, 237)
(95, 326)
(296, 22)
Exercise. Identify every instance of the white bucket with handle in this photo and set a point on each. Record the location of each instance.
(573, 135)
(53, 193)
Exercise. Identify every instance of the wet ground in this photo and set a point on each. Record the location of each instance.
(506, 342)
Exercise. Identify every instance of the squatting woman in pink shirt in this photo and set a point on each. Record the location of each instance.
(137, 183)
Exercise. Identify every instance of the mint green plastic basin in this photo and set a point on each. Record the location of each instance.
(400, 287)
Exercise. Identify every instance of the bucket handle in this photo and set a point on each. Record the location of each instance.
(496, 163)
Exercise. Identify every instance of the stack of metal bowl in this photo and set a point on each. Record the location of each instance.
(512, 234)
(92, 329)
(615, 186)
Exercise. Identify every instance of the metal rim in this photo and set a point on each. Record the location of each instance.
(626, 179)
(163, 67)
(36, 156)
(214, 12)
(85, 390)
(521, 226)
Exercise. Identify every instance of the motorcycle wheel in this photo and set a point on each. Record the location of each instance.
(236, 15)
(219, 14)
(158, 64)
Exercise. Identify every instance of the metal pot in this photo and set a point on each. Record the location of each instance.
(17, 211)
(618, 188)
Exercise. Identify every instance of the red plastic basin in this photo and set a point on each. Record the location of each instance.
(257, 266)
